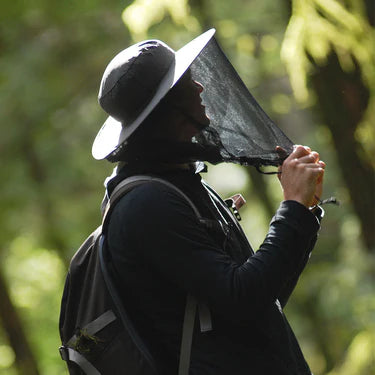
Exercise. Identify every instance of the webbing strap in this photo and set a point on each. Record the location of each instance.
(204, 317)
(96, 325)
(73, 356)
(131, 182)
(187, 335)
(191, 303)
(216, 198)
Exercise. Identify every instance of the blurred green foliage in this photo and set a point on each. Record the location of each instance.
(52, 57)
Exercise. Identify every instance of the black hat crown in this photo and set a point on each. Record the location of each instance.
(131, 79)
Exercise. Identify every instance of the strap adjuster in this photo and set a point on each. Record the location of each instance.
(64, 353)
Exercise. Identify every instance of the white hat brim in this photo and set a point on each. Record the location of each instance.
(112, 134)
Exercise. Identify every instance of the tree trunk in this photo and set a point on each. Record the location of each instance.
(25, 360)
(370, 10)
(343, 99)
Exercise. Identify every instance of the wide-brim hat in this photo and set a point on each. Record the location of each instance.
(133, 84)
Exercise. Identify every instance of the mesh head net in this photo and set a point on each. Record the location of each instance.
(239, 129)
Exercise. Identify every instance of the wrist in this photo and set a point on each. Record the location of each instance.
(298, 199)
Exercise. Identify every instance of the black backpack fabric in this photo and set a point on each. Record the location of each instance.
(97, 335)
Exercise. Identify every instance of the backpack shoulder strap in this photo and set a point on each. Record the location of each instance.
(131, 182)
(219, 202)
(191, 303)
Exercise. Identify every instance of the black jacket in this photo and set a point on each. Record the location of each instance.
(161, 252)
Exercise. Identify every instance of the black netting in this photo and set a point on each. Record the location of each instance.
(239, 129)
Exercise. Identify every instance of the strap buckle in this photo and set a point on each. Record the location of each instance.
(64, 353)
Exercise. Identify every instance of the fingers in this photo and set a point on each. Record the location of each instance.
(282, 152)
(322, 164)
(299, 151)
(302, 175)
(304, 155)
(313, 158)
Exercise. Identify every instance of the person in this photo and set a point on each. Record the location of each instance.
(161, 252)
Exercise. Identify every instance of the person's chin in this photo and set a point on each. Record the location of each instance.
(206, 122)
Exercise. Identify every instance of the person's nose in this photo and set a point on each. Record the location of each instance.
(199, 86)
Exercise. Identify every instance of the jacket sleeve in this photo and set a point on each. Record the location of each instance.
(170, 239)
(292, 280)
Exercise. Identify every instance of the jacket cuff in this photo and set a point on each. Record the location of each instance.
(299, 217)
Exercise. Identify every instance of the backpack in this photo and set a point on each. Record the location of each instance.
(98, 337)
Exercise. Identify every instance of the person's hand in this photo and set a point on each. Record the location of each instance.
(302, 175)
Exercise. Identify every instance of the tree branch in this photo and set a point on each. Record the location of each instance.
(25, 360)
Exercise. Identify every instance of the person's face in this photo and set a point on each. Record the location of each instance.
(187, 100)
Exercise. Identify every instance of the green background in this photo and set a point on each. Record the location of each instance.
(309, 63)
